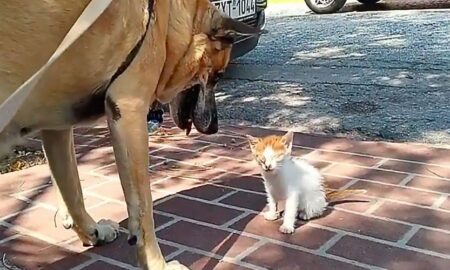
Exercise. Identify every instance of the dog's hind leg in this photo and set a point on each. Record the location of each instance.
(60, 153)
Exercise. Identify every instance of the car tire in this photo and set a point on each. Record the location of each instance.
(368, 2)
(331, 8)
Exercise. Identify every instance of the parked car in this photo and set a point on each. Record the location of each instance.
(248, 11)
(331, 6)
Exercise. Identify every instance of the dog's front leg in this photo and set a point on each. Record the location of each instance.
(59, 151)
(127, 122)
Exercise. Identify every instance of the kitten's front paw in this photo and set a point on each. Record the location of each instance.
(287, 229)
(270, 215)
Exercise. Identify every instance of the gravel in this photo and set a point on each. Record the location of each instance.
(373, 75)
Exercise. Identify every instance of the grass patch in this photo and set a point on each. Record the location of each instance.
(21, 158)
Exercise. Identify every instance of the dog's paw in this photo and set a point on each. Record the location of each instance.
(67, 221)
(105, 232)
(271, 215)
(175, 265)
(286, 229)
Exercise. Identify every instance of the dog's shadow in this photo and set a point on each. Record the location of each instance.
(196, 226)
(203, 234)
(190, 228)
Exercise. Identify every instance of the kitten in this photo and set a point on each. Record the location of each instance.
(290, 179)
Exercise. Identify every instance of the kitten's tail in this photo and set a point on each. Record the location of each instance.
(333, 195)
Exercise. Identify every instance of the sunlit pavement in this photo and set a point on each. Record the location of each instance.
(376, 75)
(208, 197)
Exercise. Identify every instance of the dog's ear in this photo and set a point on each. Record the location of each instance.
(227, 30)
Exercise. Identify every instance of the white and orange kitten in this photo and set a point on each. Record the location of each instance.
(291, 179)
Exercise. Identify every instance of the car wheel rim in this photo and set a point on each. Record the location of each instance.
(323, 3)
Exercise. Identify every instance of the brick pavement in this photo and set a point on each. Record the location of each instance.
(208, 199)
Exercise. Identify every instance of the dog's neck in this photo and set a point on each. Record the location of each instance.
(185, 20)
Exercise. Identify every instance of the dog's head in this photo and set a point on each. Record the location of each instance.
(196, 105)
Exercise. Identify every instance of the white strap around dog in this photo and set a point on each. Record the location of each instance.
(90, 14)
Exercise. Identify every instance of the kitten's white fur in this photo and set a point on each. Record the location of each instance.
(295, 181)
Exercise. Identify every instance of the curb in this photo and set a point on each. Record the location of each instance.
(283, 10)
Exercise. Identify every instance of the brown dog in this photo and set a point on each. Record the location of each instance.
(136, 52)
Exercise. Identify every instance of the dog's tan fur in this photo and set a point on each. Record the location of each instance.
(178, 51)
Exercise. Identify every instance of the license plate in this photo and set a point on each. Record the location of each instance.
(237, 9)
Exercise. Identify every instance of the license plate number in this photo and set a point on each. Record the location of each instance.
(237, 9)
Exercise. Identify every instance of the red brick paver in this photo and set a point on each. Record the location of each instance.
(208, 198)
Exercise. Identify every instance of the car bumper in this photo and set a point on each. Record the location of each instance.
(245, 45)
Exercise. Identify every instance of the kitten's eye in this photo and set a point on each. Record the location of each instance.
(261, 160)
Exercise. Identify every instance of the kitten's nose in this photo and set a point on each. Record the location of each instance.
(268, 167)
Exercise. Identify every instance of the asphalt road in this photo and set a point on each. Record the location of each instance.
(366, 75)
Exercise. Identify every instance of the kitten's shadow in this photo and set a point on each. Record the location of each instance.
(332, 204)
(330, 208)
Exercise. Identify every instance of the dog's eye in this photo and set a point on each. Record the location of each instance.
(217, 77)
(215, 80)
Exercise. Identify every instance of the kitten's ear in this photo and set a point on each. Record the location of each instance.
(252, 141)
(288, 138)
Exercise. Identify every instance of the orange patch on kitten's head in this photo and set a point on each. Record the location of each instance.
(258, 145)
(276, 142)
(270, 150)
